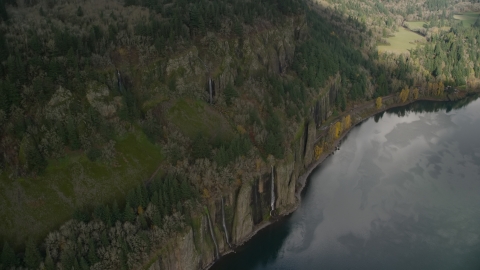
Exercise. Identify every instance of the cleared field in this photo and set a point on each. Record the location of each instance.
(193, 117)
(468, 19)
(402, 41)
(35, 206)
(415, 25)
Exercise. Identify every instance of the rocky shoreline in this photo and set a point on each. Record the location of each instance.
(302, 180)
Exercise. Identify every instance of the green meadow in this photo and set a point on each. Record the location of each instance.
(415, 25)
(403, 40)
(193, 117)
(468, 19)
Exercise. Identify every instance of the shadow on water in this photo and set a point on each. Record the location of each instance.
(260, 251)
(424, 106)
(430, 106)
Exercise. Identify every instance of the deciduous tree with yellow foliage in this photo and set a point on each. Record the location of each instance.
(347, 122)
(404, 94)
(378, 102)
(336, 130)
(431, 88)
(440, 89)
(318, 151)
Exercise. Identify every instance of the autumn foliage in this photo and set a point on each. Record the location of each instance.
(347, 122)
(415, 93)
(378, 102)
(318, 151)
(436, 88)
(404, 94)
(337, 128)
(340, 126)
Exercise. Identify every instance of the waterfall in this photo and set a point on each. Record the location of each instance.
(255, 195)
(224, 225)
(118, 81)
(210, 226)
(272, 203)
(255, 199)
(121, 87)
(210, 90)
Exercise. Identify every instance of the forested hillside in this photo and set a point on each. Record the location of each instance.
(451, 53)
(123, 121)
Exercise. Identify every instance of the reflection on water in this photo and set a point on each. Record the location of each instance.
(402, 193)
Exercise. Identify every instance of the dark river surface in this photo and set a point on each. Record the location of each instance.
(403, 192)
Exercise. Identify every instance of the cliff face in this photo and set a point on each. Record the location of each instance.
(245, 211)
(249, 207)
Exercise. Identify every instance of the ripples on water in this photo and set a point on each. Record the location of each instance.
(403, 192)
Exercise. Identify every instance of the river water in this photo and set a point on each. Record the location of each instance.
(403, 192)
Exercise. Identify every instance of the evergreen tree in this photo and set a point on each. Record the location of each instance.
(157, 219)
(3, 45)
(341, 102)
(128, 214)
(7, 259)
(104, 239)
(130, 2)
(32, 255)
(35, 160)
(185, 190)
(49, 265)
(221, 157)
(71, 59)
(140, 198)
(200, 148)
(154, 199)
(238, 28)
(73, 138)
(81, 215)
(3, 11)
(79, 11)
(76, 264)
(382, 89)
(84, 264)
(116, 215)
(102, 212)
(4, 100)
(107, 216)
(68, 259)
(143, 222)
(168, 203)
(230, 93)
(272, 145)
(13, 94)
(92, 252)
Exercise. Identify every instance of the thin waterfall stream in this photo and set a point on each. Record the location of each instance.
(272, 203)
(224, 224)
(212, 234)
(210, 90)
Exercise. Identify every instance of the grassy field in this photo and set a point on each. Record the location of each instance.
(401, 42)
(193, 117)
(468, 19)
(35, 206)
(415, 25)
